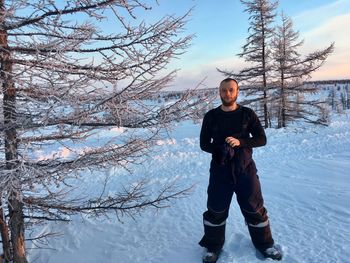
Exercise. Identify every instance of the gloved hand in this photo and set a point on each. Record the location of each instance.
(223, 153)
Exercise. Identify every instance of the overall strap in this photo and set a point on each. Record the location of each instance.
(245, 122)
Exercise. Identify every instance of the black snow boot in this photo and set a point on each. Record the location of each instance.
(272, 252)
(211, 256)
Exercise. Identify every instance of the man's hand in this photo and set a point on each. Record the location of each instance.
(233, 141)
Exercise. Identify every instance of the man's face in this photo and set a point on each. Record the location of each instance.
(228, 93)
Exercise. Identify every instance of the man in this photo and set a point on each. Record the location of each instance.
(229, 133)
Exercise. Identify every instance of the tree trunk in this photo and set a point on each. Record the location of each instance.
(6, 245)
(263, 53)
(266, 122)
(16, 221)
(17, 229)
(283, 101)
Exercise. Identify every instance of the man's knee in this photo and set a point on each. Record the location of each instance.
(214, 218)
(256, 218)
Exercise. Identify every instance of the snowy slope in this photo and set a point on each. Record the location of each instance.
(304, 171)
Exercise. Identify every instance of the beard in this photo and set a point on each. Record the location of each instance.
(228, 103)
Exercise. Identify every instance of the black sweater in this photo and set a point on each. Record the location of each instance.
(242, 123)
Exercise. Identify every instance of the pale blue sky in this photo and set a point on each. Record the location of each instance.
(221, 27)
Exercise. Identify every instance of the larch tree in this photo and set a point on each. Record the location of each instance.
(71, 71)
(291, 71)
(257, 52)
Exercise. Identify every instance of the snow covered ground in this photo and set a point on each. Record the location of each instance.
(304, 171)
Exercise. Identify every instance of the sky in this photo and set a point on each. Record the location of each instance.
(221, 27)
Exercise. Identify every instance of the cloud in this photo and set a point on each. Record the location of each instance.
(206, 74)
(313, 17)
(337, 65)
(319, 27)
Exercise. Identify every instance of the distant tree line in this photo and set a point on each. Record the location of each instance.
(331, 82)
(339, 96)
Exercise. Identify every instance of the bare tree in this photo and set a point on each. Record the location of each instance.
(292, 70)
(332, 98)
(257, 52)
(344, 97)
(71, 70)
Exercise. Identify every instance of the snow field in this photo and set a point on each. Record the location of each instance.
(304, 172)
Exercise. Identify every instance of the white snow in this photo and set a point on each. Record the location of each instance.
(304, 172)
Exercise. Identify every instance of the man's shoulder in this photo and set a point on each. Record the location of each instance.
(212, 112)
(247, 110)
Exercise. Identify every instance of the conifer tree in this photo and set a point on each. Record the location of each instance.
(292, 70)
(71, 71)
(257, 52)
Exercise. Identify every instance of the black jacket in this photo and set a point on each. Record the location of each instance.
(242, 124)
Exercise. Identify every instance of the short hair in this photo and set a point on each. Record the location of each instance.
(228, 80)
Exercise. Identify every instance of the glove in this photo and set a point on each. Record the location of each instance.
(223, 153)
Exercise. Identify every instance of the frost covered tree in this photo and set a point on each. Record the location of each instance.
(345, 97)
(332, 97)
(257, 51)
(71, 71)
(292, 70)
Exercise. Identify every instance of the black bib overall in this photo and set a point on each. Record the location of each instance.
(235, 174)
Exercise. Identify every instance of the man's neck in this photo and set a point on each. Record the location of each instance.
(229, 108)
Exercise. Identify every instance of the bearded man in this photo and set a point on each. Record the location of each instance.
(229, 132)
